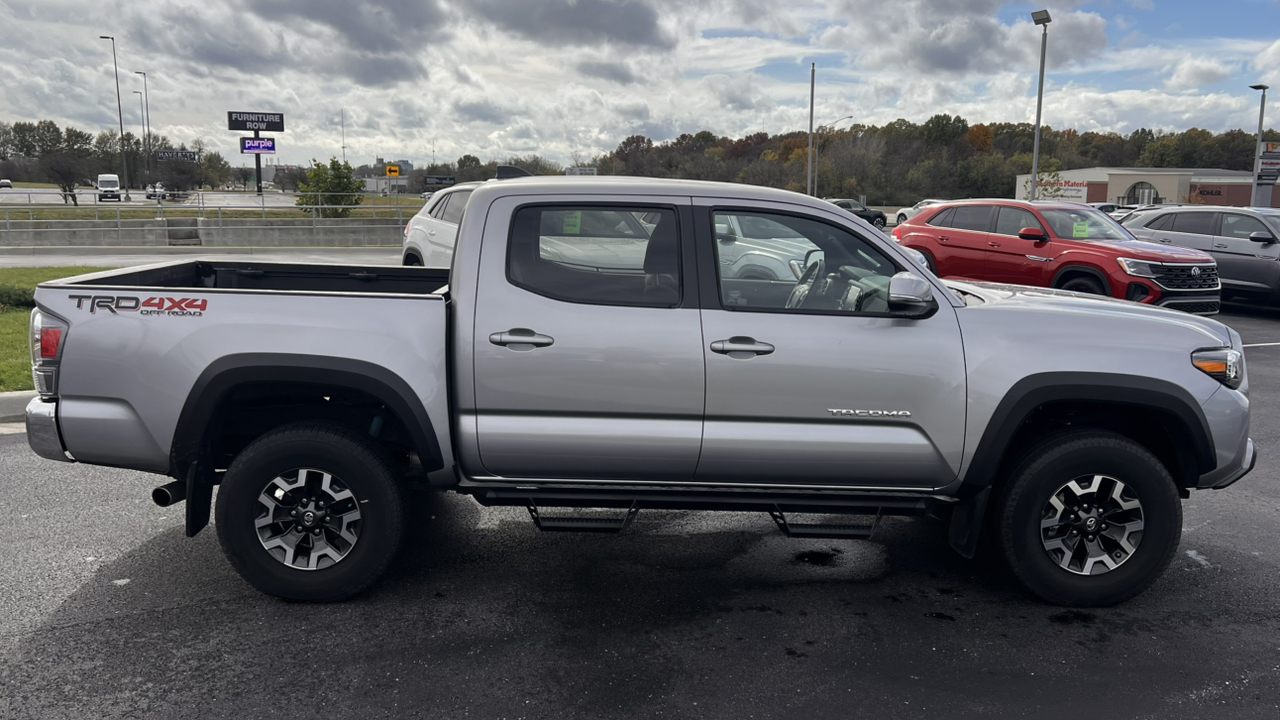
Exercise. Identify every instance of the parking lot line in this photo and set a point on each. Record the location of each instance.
(1262, 344)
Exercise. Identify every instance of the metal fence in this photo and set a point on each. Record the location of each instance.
(46, 218)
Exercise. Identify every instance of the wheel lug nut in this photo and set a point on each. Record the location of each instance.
(320, 505)
(316, 531)
(294, 513)
(1075, 533)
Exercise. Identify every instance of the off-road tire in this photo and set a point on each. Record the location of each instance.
(1046, 469)
(362, 467)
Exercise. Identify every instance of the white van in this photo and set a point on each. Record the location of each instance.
(109, 187)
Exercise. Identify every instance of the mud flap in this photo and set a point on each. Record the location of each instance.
(966, 523)
(199, 499)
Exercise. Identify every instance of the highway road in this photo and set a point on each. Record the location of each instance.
(107, 611)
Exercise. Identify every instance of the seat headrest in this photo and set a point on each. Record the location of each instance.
(663, 254)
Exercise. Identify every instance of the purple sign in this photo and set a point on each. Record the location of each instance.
(257, 146)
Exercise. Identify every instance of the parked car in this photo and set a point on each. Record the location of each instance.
(875, 217)
(315, 395)
(1060, 245)
(157, 191)
(429, 235)
(6, 183)
(1243, 241)
(108, 187)
(905, 214)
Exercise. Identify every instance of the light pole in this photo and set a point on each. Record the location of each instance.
(146, 94)
(818, 149)
(1257, 156)
(1040, 17)
(143, 116)
(808, 180)
(124, 165)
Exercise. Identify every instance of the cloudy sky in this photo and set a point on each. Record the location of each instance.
(571, 78)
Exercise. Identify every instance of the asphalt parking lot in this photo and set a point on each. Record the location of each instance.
(106, 610)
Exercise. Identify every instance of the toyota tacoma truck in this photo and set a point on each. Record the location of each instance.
(588, 349)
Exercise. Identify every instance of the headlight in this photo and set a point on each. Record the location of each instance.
(1222, 364)
(1140, 268)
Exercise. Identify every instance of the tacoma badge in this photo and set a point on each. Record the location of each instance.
(869, 413)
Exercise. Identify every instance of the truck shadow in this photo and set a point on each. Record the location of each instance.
(480, 610)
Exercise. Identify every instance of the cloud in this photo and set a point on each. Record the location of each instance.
(1267, 64)
(613, 71)
(1143, 4)
(578, 23)
(1192, 72)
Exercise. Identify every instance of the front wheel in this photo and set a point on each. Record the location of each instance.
(1090, 518)
(902, 219)
(310, 511)
(878, 222)
(1084, 284)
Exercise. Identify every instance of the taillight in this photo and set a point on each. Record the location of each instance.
(47, 334)
(897, 231)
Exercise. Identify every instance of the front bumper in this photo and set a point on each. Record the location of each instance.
(1224, 476)
(42, 430)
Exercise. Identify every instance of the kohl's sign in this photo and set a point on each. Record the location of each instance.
(257, 146)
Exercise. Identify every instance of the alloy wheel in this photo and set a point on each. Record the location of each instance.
(309, 520)
(1092, 525)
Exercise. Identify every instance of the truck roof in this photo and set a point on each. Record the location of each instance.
(628, 185)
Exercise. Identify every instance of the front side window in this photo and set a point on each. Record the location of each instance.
(1084, 223)
(597, 255)
(787, 263)
(1241, 226)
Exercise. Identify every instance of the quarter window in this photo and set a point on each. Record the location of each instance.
(457, 203)
(1241, 226)
(1196, 223)
(1164, 222)
(1012, 220)
(943, 218)
(598, 255)
(784, 263)
(438, 209)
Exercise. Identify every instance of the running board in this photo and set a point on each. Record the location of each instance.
(580, 524)
(803, 530)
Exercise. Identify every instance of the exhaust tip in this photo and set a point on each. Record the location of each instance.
(166, 495)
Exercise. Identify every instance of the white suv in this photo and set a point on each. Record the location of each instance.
(430, 234)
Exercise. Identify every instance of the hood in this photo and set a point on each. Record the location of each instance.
(1056, 303)
(1142, 250)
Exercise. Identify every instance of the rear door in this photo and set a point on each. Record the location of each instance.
(1242, 263)
(814, 383)
(1190, 229)
(587, 342)
(967, 238)
(1014, 260)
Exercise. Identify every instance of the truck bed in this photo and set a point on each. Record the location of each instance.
(297, 277)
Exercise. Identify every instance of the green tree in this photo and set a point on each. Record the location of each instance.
(65, 162)
(331, 185)
(215, 171)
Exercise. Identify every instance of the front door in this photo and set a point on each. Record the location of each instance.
(1014, 260)
(587, 345)
(1242, 263)
(812, 381)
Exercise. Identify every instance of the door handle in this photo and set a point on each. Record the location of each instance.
(1164, 240)
(943, 238)
(431, 232)
(994, 244)
(741, 347)
(521, 339)
(1220, 245)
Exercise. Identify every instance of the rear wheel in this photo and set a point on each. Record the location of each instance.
(412, 261)
(878, 222)
(1090, 518)
(902, 219)
(1084, 284)
(310, 511)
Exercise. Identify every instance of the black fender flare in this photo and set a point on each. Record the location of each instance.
(227, 373)
(1034, 391)
(1087, 270)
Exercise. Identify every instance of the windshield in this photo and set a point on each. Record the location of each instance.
(109, 184)
(1084, 224)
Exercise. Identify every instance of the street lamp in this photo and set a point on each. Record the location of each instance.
(146, 94)
(1039, 17)
(818, 148)
(143, 113)
(124, 166)
(1257, 159)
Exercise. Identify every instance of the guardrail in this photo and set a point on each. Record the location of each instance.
(212, 219)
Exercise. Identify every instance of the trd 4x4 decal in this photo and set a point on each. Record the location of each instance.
(116, 304)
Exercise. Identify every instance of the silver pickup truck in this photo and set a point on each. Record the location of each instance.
(589, 349)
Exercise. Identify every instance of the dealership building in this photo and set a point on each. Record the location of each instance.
(1132, 186)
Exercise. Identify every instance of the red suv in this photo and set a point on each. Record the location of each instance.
(1059, 245)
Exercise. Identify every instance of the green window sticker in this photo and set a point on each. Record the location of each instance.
(1081, 229)
(573, 223)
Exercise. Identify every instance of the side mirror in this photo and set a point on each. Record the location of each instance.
(723, 233)
(1033, 234)
(1262, 237)
(910, 296)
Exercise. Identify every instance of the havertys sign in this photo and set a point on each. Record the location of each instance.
(257, 146)
(265, 122)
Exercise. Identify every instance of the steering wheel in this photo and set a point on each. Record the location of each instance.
(800, 292)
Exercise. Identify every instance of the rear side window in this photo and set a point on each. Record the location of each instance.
(972, 217)
(1197, 223)
(457, 203)
(1011, 220)
(597, 255)
(942, 219)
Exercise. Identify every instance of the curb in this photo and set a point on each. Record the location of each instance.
(13, 405)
